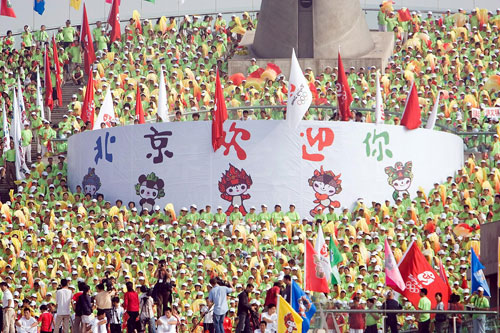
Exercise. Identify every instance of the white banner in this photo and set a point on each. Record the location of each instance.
(317, 165)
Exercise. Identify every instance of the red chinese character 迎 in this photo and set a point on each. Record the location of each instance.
(324, 138)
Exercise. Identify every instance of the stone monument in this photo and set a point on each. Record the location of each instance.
(316, 29)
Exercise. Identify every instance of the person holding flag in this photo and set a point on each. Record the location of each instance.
(480, 302)
(335, 259)
(288, 319)
(303, 305)
(480, 289)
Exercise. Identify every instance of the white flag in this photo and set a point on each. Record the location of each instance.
(6, 131)
(323, 253)
(39, 96)
(22, 109)
(106, 113)
(162, 99)
(432, 118)
(379, 105)
(21, 167)
(299, 94)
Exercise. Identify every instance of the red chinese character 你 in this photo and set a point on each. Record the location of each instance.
(324, 138)
(245, 135)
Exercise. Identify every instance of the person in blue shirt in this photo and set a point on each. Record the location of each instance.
(218, 297)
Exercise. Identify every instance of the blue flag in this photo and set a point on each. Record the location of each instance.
(478, 279)
(300, 306)
(39, 6)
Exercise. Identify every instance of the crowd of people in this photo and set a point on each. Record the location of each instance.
(72, 260)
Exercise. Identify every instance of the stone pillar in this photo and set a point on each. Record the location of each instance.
(286, 24)
(340, 23)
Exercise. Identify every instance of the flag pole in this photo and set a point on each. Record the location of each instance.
(305, 262)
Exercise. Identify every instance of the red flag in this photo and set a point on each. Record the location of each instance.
(404, 15)
(6, 9)
(49, 102)
(418, 273)
(58, 70)
(110, 1)
(219, 116)
(315, 277)
(344, 96)
(88, 108)
(86, 40)
(442, 273)
(257, 73)
(139, 112)
(411, 116)
(114, 21)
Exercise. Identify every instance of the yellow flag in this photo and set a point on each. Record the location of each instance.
(289, 321)
(75, 4)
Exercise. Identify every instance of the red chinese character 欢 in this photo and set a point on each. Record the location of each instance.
(324, 138)
(245, 135)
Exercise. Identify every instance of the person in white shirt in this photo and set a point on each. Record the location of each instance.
(167, 323)
(99, 323)
(117, 312)
(262, 328)
(271, 318)
(27, 324)
(9, 315)
(63, 300)
(208, 319)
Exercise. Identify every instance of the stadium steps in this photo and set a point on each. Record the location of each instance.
(57, 114)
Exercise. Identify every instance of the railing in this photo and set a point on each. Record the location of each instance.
(370, 15)
(319, 321)
(480, 143)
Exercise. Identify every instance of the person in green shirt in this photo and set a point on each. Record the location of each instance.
(480, 303)
(424, 304)
(293, 215)
(26, 137)
(220, 217)
(253, 67)
(68, 34)
(10, 164)
(27, 37)
(371, 318)
(41, 36)
(236, 214)
(381, 20)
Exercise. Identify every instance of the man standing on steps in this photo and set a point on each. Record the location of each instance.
(10, 165)
(26, 138)
(424, 319)
(9, 314)
(63, 300)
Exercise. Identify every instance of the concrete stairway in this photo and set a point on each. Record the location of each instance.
(57, 114)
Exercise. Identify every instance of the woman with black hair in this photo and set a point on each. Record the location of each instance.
(131, 306)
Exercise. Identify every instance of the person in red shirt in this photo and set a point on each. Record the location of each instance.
(131, 306)
(356, 320)
(77, 322)
(272, 294)
(228, 322)
(45, 319)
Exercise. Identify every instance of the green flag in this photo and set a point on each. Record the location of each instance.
(335, 258)
(152, 1)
